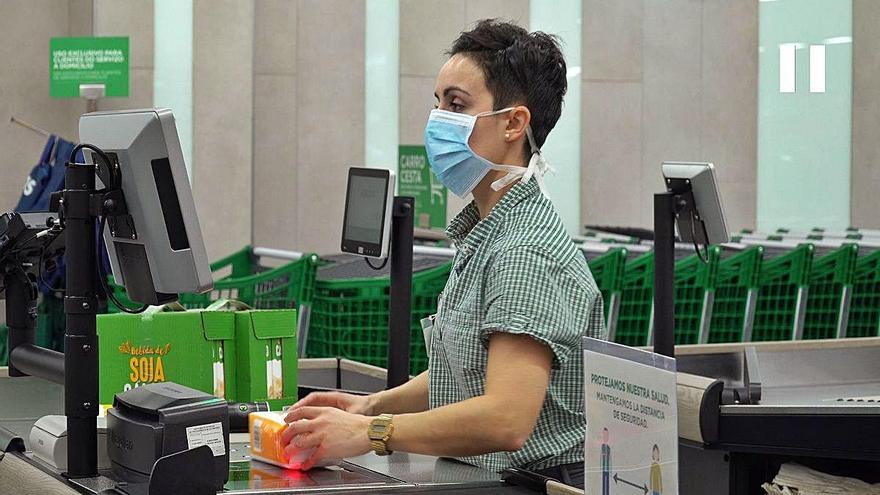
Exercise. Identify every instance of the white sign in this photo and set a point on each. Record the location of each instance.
(209, 434)
(632, 421)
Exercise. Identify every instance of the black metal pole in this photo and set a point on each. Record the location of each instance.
(399, 320)
(21, 314)
(664, 273)
(80, 339)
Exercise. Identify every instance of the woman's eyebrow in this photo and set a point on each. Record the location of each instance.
(451, 89)
(454, 88)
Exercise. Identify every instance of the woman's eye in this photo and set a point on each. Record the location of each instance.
(456, 107)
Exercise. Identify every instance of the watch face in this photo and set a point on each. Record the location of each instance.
(379, 428)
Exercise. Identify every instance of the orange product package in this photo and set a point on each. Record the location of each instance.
(265, 430)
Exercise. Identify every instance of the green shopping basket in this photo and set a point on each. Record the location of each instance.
(608, 271)
(350, 317)
(831, 282)
(736, 294)
(782, 293)
(864, 315)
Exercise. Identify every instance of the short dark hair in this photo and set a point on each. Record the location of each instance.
(519, 67)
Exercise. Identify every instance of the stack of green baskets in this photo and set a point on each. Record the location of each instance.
(693, 288)
(240, 277)
(607, 271)
(350, 317)
(831, 277)
(783, 287)
(864, 315)
(636, 302)
(736, 289)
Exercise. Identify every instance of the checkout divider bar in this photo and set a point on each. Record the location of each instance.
(295, 255)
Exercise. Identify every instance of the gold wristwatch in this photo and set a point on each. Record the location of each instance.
(380, 432)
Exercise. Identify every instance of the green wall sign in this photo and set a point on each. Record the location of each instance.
(417, 180)
(75, 61)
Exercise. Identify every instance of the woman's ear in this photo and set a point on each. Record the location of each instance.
(519, 120)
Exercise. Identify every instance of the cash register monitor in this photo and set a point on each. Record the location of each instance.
(366, 228)
(157, 250)
(709, 227)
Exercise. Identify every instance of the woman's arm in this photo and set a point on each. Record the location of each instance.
(502, 419)
(411, 397)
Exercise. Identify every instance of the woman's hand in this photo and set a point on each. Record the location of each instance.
(355, 404)
(332, 432)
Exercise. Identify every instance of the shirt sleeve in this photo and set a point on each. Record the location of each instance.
(526, 293)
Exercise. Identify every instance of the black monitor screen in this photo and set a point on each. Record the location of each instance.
(365, 209)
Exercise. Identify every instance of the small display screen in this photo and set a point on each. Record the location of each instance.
(366, 208)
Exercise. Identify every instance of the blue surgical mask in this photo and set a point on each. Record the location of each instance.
(457, 166)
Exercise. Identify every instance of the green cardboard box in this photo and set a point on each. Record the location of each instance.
(194, 348)
(266, 351)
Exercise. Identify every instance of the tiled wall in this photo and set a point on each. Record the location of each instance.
(222, 122)
(132, 18)
(308, 119)
(670, 80)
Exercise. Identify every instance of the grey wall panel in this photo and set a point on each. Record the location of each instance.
(132, 18)
(672, 110)
(275, 163)
(740, 205)
(866, 115)
(612, 152)
(510, 10)
(275, 37)
(426, 31)
(275, 202)
(612, 40)
(222, 122)
(696, 64)
(730, 103)
(330, 116)
(416, 102)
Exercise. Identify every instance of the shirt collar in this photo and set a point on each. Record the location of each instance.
(467, 231)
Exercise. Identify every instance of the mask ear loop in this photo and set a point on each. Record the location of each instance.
(538, 166)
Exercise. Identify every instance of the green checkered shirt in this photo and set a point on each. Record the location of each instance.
(517, 271)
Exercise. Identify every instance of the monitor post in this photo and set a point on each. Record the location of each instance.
(400, 305)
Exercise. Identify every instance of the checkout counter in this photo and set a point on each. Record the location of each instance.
(24, 400)
(744, 409)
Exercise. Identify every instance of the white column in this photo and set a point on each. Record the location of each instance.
(382, 81)
(563, 146)
(172, 73)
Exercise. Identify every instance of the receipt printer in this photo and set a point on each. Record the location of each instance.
(49, 442)
(152, 421)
